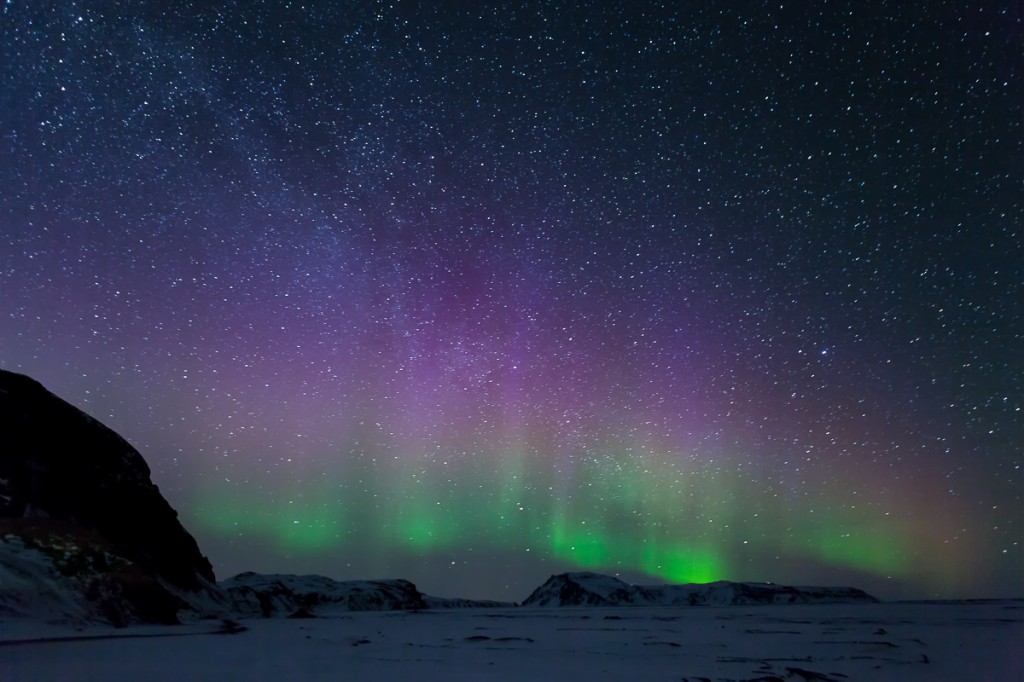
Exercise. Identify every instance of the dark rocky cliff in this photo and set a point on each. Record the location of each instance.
(66, 480)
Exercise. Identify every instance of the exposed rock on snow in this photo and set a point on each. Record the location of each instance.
(595, 589)
(57, 571)
(82, 522)
(31, 584)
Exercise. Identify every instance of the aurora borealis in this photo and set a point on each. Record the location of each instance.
(472, 293)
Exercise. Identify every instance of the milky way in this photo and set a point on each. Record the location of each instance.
(471, 293)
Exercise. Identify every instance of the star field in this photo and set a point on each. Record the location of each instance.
(471, 293)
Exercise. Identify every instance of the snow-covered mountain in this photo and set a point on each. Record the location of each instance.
(582, 589)
(595, 589)
(256, 594)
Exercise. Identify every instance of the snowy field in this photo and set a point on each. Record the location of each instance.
(876, 642)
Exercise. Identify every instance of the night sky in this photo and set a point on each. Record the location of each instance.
(471, 293)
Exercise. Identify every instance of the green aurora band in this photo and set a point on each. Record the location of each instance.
(630, 510)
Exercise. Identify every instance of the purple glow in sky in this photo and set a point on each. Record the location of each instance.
(474, 294)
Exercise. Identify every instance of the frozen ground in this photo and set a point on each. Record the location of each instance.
(876, 642)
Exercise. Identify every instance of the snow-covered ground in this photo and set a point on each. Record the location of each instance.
(876, 642)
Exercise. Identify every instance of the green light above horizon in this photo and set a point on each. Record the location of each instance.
(622, 512)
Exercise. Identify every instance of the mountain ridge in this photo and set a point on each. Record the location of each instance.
(285, 594)
(585, 588)
(85, 535)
